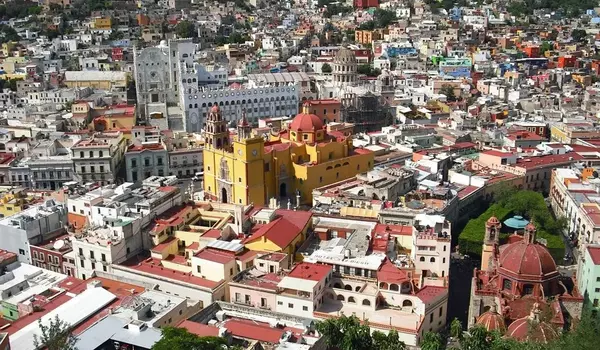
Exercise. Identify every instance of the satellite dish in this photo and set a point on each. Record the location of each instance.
(58, 245)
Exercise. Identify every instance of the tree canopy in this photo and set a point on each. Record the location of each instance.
(347, 333)
(179, 338)
(326, 68)
(55, 336)
(186, 29)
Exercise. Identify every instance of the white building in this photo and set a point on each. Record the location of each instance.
(99, 158)
(145, 160)
(32, 226)
(175, 92)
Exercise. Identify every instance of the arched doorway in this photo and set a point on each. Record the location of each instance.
(224, 195)
(283, 190)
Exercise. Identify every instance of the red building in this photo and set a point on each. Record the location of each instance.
(50, 255)
(364, 4)
(117, 54)
(518, 281)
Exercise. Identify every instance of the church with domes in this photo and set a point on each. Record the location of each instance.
(518, 289)
(243, 168)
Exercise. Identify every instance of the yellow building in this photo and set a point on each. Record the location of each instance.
(279, 231)
(13, 202)
(103, 23)
(250, 170)
(96, 79)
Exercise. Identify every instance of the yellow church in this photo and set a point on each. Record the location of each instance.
(250, 169)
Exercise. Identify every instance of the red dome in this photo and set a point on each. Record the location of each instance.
(491, 320)
(306, 122)
(493, 221)
(528, 329)
(527, 259)
(215, 108)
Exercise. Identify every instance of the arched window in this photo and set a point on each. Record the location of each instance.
(407, 303)
(337, 285)
(348, 287)
(195, 105)
(221, 103)
(383, 285)
(357, 289)
(351, 300)
(394, 287)
(190, 105)
(432, 260)
(528, 289)
(507, 284)
(210, 104)
(189, 81)
(422, 259)
(341, 297)
(204, 105)
(366, 302)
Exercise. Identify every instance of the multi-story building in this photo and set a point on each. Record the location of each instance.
(52, 255)
(588, 276)
(185, 162)
(99, 157)
(96, 248)
(576, 199)
(175, 92)
(291, 165)
(145, 160)
(302, 290)
(32, 226)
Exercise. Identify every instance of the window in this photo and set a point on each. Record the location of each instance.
(93, 266)
(91, 254)
(507, 285)
(103, 257)
(104, 268)
(101, 154)
(431, 317)
(267, 167)
(528, 289)
(133, 163)
(81, 263)
(290, 305)
(231, 271)
(441, 310)
(280, 303)
(80, 251)
(198, 269)
(91, 153)
(238, 297)
(305, 308)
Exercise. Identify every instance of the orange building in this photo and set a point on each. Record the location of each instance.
(328, 110)
(367, 36)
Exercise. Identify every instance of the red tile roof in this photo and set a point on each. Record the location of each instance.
(548, 160)
(390, 273)
(429, 293)
(282, 230)
(253, 330)
(496, 153)
(595, 254)
(199, 329)
(215, 255)
(310, 271)
(394, 230)
(154, 267)
(164, 245)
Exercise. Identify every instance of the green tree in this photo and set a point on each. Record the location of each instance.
(456, 330)
(179, 338)
(384, 18)
(347, 333)
(448, 90)
(578, 35)
(432, 341)
(546, 46)
(186, 29)
(55, 336)
(326, 68)
(390, 341)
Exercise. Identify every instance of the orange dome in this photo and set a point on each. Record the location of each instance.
(493, 221)
(306, 122)
(529, 329)
(492, 320)
(525, 259)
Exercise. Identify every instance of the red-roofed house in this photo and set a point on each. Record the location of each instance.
(303, 288)
(278, 231)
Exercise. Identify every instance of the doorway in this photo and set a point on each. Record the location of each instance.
(223, 195)
(283, 190)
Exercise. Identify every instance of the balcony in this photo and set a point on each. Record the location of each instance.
(297, 293)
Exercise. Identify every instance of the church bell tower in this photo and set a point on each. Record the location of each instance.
(490, 241)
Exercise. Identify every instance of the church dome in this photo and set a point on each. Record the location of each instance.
(344, 56)
(527, 259)
(528, 329)
(306, 122)
(491, 320)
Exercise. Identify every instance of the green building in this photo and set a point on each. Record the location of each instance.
(588, 276)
